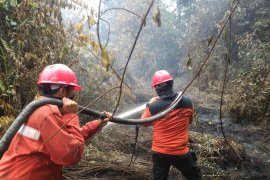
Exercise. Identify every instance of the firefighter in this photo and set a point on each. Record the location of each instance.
(170, 133)
(51, 137)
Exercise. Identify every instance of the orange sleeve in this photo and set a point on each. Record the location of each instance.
(89, 129)
(191, 116)
(146, 114)
(63, 143)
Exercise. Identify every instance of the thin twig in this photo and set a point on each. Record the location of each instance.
(224, 84)
(119, 77)
(99, 6)
(46, 140)
(109, 31)
(135, 144)
(121, 9)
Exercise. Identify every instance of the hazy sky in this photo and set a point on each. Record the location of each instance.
(80, 13)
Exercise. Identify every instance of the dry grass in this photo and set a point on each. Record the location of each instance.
(109, 154)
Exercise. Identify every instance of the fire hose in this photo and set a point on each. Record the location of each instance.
(31, 107)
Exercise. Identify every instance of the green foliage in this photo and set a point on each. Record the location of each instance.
(8, 4)
(6, 115)
(250, 91)
(156, 17)
(30, 38)
(2, 86)
(64, 52)
(189, 62)
(106, 59)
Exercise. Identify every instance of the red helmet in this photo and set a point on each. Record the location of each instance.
(161, 77)
(58, 74)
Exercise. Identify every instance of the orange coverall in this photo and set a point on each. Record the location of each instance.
(40, 152)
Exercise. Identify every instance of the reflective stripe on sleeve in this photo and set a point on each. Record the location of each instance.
(29, 132)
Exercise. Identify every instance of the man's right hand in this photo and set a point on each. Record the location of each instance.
(69, 106)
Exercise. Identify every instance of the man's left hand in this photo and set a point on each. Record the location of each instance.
(103, 122)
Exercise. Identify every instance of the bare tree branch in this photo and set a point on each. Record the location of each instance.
(119, 77)
(129, 57)
(99, 6)
(109, 31)
(225, 79)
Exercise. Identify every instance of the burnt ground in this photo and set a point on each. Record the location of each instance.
(253, 139)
